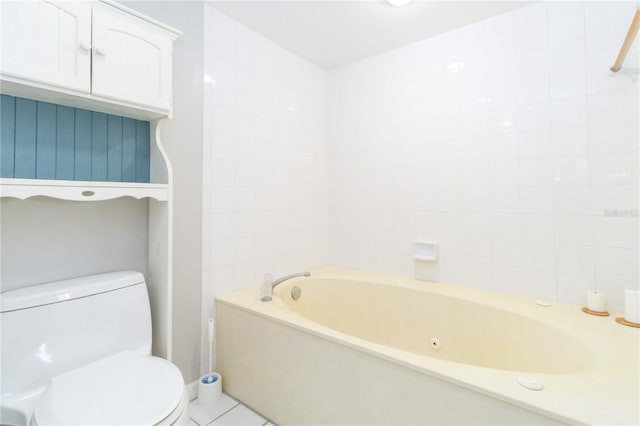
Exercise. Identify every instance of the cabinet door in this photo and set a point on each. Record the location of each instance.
(131, 62)
(47, 42)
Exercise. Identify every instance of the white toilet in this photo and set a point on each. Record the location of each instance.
(78, 352)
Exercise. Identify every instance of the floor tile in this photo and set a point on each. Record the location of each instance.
(205, 414)
(240, 415)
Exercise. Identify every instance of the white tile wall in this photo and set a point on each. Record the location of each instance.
(264, 161)
(506, 141)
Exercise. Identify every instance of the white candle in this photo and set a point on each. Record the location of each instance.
(595, 301)
(632, 305)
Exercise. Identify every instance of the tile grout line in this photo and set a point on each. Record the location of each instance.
(216, 418)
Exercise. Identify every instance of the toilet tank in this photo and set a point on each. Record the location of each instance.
(49, 329)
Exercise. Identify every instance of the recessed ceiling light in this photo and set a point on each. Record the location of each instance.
(399, 3)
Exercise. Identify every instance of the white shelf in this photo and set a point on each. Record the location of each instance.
(81, 190)
(425, 251)
(425, 258)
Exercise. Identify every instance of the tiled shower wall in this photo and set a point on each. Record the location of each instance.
(264, 161)
(507, 141)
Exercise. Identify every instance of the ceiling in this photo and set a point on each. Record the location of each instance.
(333, 33)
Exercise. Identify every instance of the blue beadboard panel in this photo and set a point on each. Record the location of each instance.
(142, 150)
(128, 150)
(45, 141)
(65, 143)
(25, 139)
(114, 148)
(39, 140)
(98, 146)
(8, 135)
(82, 150)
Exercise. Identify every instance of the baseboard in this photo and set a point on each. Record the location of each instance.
(192, 390)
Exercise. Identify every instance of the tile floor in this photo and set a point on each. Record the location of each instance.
(225, 412)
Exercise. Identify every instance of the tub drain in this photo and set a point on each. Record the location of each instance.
(435, 343)
(295, 293)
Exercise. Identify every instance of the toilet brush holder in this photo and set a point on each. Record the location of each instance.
(209, 388)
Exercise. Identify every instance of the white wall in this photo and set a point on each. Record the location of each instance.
(264, 161)
(182, 139)
(506, 141)
(45, 239)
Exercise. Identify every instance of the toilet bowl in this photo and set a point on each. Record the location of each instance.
(79, 352)
(126, 388)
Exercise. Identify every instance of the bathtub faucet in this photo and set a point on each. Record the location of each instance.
(267, 297)
(288, 277)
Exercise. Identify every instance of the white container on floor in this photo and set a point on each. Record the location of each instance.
(209, 391)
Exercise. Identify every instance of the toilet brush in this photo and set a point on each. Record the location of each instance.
(210, 385)
(210, 334)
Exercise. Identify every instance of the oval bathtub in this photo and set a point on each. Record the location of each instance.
(358, 348)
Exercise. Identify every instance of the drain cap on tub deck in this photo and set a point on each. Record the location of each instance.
(530, 382)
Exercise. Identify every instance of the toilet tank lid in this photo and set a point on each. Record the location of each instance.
(60, 291)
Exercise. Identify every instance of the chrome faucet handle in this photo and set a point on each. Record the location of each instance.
(269, 284)
(288, 277)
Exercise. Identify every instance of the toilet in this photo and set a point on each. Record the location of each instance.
(79, 352)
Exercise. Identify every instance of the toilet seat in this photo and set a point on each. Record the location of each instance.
(126, 388)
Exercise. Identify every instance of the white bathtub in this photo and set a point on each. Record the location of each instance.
(359, 348)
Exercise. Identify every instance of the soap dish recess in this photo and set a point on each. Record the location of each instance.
(426, 251)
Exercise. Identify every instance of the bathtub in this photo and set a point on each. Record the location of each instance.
(360, 348)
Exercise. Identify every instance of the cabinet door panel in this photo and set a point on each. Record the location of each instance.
(130, 62)
(47, 42)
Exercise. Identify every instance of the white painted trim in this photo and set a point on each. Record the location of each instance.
(49, 92)
(169, 31)
(169, 177)
(80, 190)
(192, 390)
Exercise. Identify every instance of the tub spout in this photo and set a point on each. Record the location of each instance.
(288, 277)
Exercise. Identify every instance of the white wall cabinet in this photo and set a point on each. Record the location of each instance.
(96, 55)
(47, 42)
(130, 62)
